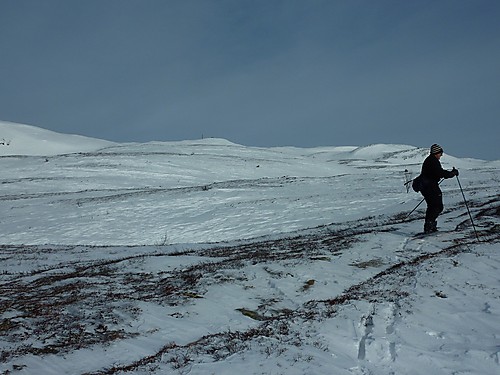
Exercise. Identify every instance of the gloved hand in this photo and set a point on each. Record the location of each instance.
(455, 172)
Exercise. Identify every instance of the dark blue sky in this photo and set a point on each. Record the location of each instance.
(261, 72)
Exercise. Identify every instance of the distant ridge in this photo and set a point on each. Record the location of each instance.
(27, 140)
(19, 139)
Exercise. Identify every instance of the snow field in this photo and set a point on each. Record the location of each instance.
(206, 257)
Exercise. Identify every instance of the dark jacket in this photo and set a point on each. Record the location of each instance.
(432, 173)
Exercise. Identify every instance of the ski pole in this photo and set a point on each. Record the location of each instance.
(423, 199)
(407, 216)
(466, 205)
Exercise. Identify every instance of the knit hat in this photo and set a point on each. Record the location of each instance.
(436, 149)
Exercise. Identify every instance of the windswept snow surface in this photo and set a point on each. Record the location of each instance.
(207, 257)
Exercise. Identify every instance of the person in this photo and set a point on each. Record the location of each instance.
(432, 173)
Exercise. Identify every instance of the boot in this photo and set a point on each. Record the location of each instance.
(430, 226)
(434, 226)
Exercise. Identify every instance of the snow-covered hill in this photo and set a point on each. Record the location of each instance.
(19, 139)
(208, 257)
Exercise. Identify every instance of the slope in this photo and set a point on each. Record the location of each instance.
(311, 268)
(19, 139)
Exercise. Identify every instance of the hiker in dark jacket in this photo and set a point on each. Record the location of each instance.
(432, 173)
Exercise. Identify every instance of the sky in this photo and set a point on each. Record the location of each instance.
(258, 73)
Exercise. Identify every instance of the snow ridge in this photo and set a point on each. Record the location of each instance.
(19, 139)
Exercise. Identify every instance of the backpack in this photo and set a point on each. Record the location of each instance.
(417, 184)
